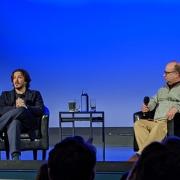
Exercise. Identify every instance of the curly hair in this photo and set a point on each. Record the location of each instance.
(25, 75)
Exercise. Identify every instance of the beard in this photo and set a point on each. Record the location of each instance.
(19, 86)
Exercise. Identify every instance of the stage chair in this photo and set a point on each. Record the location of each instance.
(41, 141)
(173, 126)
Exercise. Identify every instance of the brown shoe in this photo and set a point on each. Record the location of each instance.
(134, 158)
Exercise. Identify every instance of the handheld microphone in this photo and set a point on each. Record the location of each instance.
(146, 102)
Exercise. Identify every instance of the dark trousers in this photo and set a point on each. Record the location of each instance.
(15, 121)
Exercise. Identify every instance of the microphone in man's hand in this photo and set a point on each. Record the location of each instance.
(146, 102)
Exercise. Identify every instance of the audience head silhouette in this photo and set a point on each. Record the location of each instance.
(158, 161)
(43, 172)
(72, 159)
(173, 145)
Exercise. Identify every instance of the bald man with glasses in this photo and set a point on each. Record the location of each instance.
(166, 104)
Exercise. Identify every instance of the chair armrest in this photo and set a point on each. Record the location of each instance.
(137, 115)
(45, 131)
(170, 127)
(44, 125)
(45, 122)
(45, 128)
(174, 125)
(140, 115)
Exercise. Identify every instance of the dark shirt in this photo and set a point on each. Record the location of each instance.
(22, 96)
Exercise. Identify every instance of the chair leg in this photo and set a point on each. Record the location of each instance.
(43, 154)
(35, 154)
(135, 145)
(7, 154)
(6, 142)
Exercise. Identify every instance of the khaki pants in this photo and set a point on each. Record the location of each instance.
(147, 131)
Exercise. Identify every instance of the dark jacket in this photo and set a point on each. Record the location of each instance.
(33, 100)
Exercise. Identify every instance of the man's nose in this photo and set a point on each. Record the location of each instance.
(15, 80)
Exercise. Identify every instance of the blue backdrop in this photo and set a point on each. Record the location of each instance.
(115, 50)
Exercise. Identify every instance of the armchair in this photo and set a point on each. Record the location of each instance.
(173, 126)
(41, 142)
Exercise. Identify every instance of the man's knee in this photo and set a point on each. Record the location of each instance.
(162, 126)
(138, 124)
(20, 110)
(14, 124)
(20, 113)
(16, 111)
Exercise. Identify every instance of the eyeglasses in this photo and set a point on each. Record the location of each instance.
(166, 72)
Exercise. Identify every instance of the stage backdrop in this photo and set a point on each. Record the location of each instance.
(115, 50)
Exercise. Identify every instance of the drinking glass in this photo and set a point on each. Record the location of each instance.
(72, 106)
(92, 105)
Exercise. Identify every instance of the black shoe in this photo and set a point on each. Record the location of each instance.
(16, 156)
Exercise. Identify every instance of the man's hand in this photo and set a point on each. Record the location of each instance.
(20, 103)
(144, 108)
(171, 113)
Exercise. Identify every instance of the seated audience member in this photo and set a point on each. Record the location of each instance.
(43, 172)
(157, 161)
(72, 159)
(166, 104)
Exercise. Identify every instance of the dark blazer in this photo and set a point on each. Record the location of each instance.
(33, 100)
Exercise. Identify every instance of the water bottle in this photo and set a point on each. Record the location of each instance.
(84, 102)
